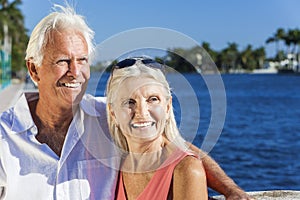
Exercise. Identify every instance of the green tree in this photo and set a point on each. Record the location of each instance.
(12, 17)
(246, 58)
(228, 57)
(276, 38)
(180, 60)
(259, 55)
(213, 54)
(251, 59)
(292, 38)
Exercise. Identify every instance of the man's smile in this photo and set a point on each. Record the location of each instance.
(70, 85)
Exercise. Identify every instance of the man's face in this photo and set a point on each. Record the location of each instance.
(65, 71)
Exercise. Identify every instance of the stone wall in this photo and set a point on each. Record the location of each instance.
(271, 195)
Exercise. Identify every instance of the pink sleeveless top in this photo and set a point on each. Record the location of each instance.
(159, 185)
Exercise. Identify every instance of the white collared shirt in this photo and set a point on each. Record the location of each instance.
(87, 168)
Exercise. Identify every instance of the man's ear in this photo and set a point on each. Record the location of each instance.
(32, 69)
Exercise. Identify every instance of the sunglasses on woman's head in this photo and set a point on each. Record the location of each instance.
(131, 61)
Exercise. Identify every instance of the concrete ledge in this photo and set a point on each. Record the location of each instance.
(271, 195)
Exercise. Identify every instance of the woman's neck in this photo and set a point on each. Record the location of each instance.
(146, 156)
(145, 146)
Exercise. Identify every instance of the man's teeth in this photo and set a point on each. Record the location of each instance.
(71, 85)
(141, 125)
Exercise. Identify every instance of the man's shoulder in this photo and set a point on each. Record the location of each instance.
(18, 118)
(94, 106)
(6, 115)
(91, 98)
(6, 121)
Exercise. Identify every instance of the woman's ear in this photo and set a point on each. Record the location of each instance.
(169, 105)
(32, 69)
(112, 113)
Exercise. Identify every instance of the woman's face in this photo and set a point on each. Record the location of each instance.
(140, 108)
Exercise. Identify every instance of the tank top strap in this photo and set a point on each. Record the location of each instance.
(159, 185)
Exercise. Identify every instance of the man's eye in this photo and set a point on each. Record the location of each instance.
(63, 62)
(82, 61)
(67, 62)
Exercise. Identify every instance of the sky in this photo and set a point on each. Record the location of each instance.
(217, 22)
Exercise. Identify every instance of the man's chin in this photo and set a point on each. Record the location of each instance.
(77, 99)
(73, 97)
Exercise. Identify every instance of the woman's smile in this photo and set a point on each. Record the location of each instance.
(142, 124)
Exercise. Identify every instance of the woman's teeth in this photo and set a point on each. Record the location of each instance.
(141, 125)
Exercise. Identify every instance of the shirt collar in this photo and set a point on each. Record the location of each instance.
(22, 119)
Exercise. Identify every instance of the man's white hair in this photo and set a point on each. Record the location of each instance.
(60, 19)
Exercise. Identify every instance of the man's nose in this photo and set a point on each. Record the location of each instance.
(74, 69)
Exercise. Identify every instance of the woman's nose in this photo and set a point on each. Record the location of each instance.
(141, 109)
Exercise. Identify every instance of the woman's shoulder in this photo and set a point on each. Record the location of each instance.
(189, 166)
(189, 179)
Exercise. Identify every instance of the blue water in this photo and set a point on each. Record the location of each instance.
(260, 142)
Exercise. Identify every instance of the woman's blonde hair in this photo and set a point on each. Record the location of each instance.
(116, 78)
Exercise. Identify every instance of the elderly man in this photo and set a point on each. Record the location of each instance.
(54, 143)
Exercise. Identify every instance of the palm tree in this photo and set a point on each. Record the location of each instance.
(297, 41)
(246, 57)
(279, 35)
(11, 16)
(259, 55)
(229, 57)
(292, 38)
(210, 51)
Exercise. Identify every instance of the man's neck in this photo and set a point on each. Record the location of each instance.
(54, 117)
(52, 123)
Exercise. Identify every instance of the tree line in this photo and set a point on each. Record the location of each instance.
(227, 60)
(287, 42)
(291, 43)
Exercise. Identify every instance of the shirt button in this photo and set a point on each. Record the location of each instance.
(34, 130)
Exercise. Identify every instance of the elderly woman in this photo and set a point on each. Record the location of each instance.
(157, 164)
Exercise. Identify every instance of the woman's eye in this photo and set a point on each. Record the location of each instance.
(153, 99)
(129, 102)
